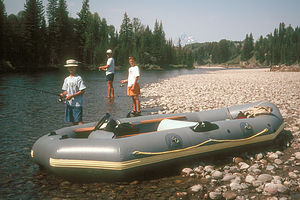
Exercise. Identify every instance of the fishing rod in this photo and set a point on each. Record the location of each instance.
(34, 89)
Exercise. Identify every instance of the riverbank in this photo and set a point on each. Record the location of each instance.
(267, 174)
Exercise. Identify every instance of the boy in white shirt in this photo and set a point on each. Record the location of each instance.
(133, 88)
(109, 69)
(73, 89)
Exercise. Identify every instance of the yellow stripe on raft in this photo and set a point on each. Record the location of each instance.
(198, 145)
(92, 164)
(163, 156)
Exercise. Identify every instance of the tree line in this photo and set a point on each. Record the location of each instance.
(280, 47)
(30, 42)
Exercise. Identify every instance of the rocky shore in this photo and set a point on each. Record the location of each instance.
(272, 173)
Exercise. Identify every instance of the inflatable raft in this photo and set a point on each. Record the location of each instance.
(111, 148)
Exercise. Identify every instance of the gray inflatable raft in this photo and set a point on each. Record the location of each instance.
(111, 148)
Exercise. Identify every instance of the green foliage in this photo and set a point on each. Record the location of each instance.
(281, 47)
(32, 33)
(248, 47)
(2, 30)
(32, 42)
(26, 40)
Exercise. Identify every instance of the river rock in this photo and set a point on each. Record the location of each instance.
(235, 186)
(270, 188)
(278, 161)
(259, 156)
(297, 155)
(249, 179)
(217, 175)
(243, 165)
(196, 188)
(264, 177)
(215, 195)
(237, 159)
(228, 195)
(293, 175)
(186, 171)
(228, 177)
(281, 188)
(209, 168)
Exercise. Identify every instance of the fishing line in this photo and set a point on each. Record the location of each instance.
(36, 90)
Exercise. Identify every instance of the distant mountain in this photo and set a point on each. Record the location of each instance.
(185, 39)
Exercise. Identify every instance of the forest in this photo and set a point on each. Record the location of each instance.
(277, 48)
(40, 38)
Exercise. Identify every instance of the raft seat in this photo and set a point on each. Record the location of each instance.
(172, 124)
(100, 134)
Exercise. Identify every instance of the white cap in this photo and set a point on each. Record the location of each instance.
(109, 51)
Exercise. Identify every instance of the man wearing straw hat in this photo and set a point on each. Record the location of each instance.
(73, 88)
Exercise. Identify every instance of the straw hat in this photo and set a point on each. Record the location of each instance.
(71, 63)
(109, 51)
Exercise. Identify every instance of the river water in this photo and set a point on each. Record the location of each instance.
(26, 115)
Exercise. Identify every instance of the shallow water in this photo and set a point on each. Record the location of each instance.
(26, 115)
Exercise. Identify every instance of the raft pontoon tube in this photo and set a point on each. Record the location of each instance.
(113, 147)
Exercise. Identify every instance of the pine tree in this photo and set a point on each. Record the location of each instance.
(146, 47)
(82, 28)
(138, 31)
(248, 47)
(2, 31)
(52, 30)
(125, 40)
(296, 42)
(103, 40)
(158, 42)
(33, 20)
(63, 33)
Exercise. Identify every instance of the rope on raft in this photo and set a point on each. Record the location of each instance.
(198, 145)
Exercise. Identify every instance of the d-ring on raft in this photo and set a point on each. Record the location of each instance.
(113, 148)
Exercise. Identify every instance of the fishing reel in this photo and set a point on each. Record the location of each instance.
(61, 100)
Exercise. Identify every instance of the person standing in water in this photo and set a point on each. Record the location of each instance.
(73, 88)
(110, 72)
(133, 88)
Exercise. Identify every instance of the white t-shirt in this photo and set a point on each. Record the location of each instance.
(72, 84)
(133, 73)
(111, 68)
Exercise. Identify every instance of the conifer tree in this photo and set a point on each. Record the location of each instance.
(2, 31)
(82, 28)
(125, 40)
(52, 30)
(248, 47)
(33, 19)
(146, 47)
(63, 33)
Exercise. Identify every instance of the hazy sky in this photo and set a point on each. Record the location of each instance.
(205, 20)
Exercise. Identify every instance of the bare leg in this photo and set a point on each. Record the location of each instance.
(110, 89)
(137, 103)
(133, 103)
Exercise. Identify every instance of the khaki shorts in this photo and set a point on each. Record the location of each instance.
(134, 92)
